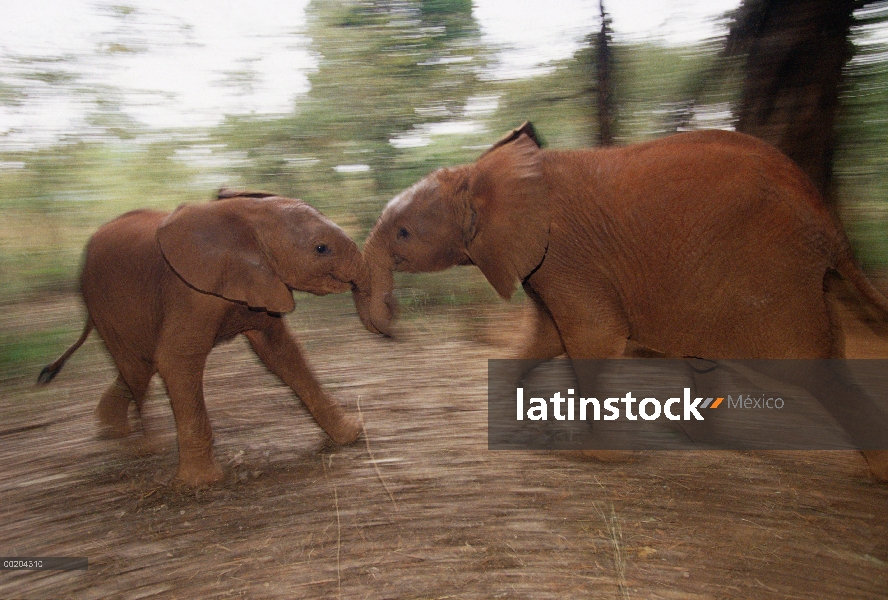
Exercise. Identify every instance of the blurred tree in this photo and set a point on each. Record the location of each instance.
(603, 80)
(795, 52)
(385, 67)
(794, 63)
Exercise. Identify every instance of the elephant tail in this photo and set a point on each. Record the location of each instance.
(848, 268)
(52, 369)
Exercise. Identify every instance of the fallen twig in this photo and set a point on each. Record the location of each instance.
(615, 532)
(25, 428)
(373, 460)
(338, 544)
(338, 532)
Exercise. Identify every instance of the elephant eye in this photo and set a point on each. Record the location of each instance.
(322, 249)
(403, 234)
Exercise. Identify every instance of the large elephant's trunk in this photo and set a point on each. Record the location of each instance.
(376, 305)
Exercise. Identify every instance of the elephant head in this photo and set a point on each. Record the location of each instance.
(255, 249)
(492, 213)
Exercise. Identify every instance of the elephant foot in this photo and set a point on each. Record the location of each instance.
(347, 432)
(202, 476)
(112, 412)
(878, 463)
(113, 430)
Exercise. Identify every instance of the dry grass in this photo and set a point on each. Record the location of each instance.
(421, 508)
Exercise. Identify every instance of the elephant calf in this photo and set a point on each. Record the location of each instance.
(710, 244)
(164, 288)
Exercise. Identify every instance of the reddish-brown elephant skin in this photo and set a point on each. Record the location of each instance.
(705, 244)
(163, 289)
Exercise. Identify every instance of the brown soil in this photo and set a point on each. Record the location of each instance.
(418, 509)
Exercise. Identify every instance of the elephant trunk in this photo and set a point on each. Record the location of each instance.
(376, 305)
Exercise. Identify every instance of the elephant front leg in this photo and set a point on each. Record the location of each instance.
(541, 341)
(591, 326)
(183, 376)
(280, 352)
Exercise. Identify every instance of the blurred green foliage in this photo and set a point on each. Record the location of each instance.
(22, 353)
(385, 67)
(861, 162)
(392, 78)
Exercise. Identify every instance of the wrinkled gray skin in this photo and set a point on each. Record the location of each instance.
(708, 244)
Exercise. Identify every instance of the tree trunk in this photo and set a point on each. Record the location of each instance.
(603, 80)
(795, 53)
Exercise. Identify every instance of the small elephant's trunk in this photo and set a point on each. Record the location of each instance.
(376, 304)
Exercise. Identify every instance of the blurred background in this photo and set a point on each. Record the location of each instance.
(107, 107)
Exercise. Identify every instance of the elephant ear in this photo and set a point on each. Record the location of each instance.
(525, 128)
(213, 247)
(509, 226)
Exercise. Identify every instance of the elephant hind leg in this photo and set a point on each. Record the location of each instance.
(836, 333)
(877, 460)
(113, 410)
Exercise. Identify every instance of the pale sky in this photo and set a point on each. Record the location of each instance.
(199, 50)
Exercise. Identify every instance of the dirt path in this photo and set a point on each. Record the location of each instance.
(431, 513)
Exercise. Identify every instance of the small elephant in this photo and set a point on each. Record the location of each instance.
(164, 288)
(708, 244)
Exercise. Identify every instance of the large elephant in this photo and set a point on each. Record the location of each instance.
(708, 244)
(163, 288)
